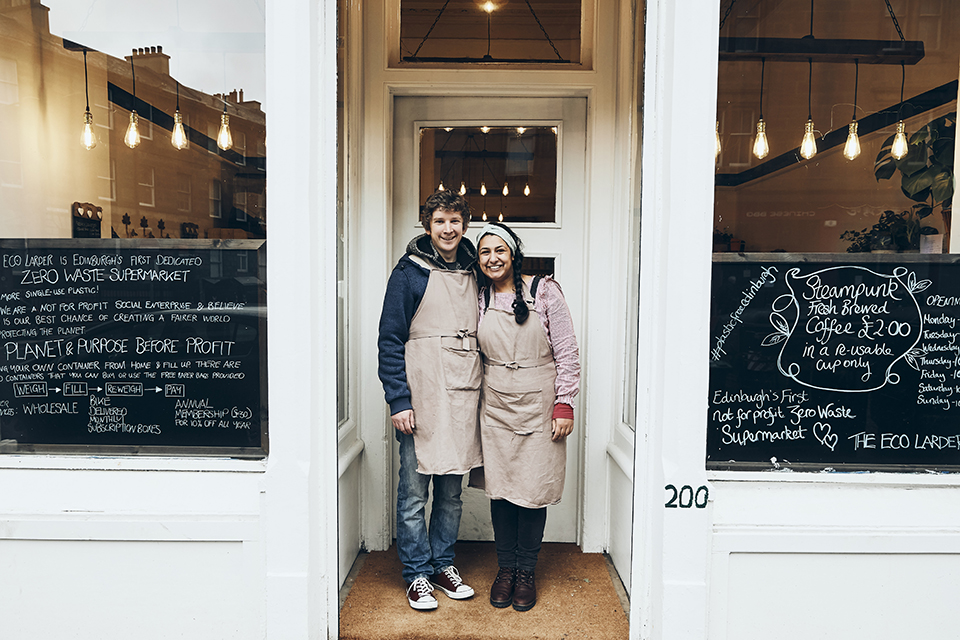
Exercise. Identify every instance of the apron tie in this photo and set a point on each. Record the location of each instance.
(464, 334)
(514, 365)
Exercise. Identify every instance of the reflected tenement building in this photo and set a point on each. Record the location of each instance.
(154, 190)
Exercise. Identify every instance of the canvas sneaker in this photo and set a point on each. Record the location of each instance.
(420, 595)
(449, 581)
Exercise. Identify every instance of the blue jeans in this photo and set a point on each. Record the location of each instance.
(423, 553)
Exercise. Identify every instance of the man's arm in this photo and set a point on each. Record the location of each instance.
(403, 295)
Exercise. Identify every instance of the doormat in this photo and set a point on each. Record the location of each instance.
(575, 599)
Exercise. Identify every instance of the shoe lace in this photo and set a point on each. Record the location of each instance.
(454, 575)
(506, 573)
(525, 577)
(421, 586)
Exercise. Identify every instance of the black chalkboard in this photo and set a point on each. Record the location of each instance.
(835, 362)
(146, 347)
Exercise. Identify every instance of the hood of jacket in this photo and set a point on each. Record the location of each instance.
(422, 246)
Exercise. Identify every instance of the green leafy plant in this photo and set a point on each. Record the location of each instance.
(892, 232)
(926, 172)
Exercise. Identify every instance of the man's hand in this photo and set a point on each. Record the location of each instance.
(403, 421)
(560, 427)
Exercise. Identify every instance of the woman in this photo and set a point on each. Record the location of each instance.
(531, 375)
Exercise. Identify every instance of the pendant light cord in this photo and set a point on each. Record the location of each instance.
(811, 18)
(903, 77)
(133, 73)
(86, 82)
(810, 90)
(178, 94)
(856, 84)
(763, 63)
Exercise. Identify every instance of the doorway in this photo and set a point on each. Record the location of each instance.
(558, 242)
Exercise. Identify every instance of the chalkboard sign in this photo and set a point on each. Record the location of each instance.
(835, 362)
(149, 347)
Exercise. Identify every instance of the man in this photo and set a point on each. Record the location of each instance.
(430, 369)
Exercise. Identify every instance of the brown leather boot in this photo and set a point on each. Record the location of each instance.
(525, 591)
(501, 593)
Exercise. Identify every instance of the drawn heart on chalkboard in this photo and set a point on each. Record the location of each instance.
(822, 432)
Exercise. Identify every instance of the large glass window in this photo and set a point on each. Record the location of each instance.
(128, 325)
(505, 173)
(865, 66)
(448, 31)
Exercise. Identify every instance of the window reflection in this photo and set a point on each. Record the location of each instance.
(505, 173)
(46, 81)
(851, 70)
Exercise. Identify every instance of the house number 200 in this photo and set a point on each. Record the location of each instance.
(686, 497)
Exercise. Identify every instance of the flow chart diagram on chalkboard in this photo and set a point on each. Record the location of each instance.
(830, 361)
(108, 347)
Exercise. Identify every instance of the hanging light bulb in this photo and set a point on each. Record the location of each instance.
(132, 137)
(484, 216)
(179, 137)
(87, 136)
(900, 147)
(483, 188)
(808, 146)
(440, 188)
(526, 189)
(851, 149)
(463, 188)
(448, 129)
(506, 189)
(760, 146)
(717, 147)
(224, 137)
(485, 129)
(501, 217)
(520, 130)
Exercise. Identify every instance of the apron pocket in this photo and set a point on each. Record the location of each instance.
(461, 369)
(520, 412)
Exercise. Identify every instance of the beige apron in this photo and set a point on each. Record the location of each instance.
(443, 373)
(521, 463)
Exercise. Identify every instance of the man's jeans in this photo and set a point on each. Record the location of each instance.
(424, 554)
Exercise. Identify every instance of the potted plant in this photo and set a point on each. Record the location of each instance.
(721, 240)
(892, 232)
(926, 172)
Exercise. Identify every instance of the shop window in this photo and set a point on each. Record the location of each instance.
(505, 173)
(532, 32)
(784, 201)
(81, 205)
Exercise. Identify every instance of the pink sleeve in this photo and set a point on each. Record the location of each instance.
(558, 324)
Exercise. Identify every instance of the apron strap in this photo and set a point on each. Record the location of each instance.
(530, 364)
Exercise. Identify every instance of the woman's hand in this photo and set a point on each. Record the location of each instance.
(561, 428)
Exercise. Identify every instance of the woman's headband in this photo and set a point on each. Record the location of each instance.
(499, 232)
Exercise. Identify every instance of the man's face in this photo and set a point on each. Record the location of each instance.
(446, 230)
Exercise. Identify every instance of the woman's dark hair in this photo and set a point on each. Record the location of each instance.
(520, 310)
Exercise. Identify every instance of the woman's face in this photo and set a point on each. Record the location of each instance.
(496, 261)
